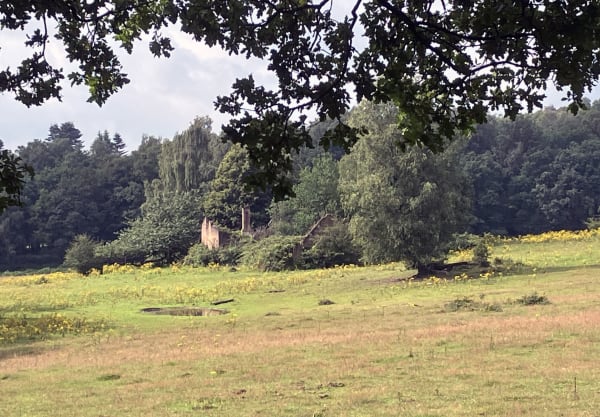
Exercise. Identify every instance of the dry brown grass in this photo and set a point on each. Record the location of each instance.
(384, 358)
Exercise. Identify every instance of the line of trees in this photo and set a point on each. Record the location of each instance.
(538, 173)
(75, 191)
(445, 66)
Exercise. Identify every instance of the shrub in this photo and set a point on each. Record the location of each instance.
(274, 253)
(201, 255)
(81, 254)
(509, 267)
(229, 255)
(533, 299)
(481, 254)
(468, 304)
(461, 304)
(463, 241)
(333, 247)
(119, 252)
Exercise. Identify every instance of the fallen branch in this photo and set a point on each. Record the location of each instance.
(229, 300)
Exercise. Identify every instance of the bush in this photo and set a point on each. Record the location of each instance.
(481, 254)
(463, 241)
(81, 255)
(333, 247)
(274, 253)
(509, 267)
(201, 255)
(461, 304)
(533, 299)
(468, 304)
(119, 252)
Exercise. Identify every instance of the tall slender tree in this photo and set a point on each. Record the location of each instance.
(228, 193)
(190, 160)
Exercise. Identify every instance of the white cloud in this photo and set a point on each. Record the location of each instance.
(163, 97)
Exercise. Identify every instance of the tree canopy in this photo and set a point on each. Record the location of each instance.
(403, 206)
(167, 227)
(190, 160)
(444, 64)
(228, 194)
(13, 173)
(540, 172)
(315, 195)
(75, 192)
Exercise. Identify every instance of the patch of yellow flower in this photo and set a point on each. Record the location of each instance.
(21, 327)
(461, 277)
(148, 266)
(486, 275)
(116, 268)
(463, 255)
(435, 281)
(560, 235)
(38, 279)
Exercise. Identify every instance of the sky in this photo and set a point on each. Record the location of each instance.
(163, 97)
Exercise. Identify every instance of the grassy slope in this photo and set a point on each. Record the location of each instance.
(385, 348)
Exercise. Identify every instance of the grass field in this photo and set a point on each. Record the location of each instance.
(341, 342)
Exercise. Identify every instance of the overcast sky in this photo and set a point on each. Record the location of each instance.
(163, 97)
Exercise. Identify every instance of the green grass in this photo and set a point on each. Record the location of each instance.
(553, 254)
(388, 346)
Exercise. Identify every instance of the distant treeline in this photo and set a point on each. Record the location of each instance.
(539, 173)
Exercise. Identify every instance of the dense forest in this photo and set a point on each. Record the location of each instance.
(538, 173)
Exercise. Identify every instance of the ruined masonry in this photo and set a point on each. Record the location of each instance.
(213, 238)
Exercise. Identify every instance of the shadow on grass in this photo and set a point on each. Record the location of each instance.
(566, 268)
(472, 270)
(22, 349)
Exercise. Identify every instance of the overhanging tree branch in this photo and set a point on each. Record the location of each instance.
(444, 64)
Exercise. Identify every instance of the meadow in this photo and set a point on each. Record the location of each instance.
(521, 338)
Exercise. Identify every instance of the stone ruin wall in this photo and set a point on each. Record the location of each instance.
(211, 236)
(324, 222)
(313, 234)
